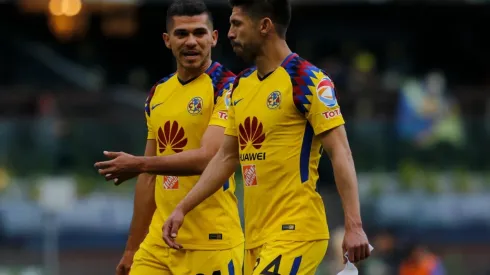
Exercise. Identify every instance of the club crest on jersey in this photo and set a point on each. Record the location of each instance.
(171, 136)
(274, 100)
(326, 92)
(195, 106)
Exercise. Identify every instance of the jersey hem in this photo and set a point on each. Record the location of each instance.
(295, 238)
(230, 134)
(215, 123)
(188, 246)
(331, 125)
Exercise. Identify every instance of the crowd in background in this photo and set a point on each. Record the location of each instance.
(413, 83)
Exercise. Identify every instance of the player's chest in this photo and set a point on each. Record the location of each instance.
(190, 108)
(270, 106)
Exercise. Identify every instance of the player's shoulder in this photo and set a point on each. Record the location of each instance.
(304, 74)
(243, 74)
(306, 78)
(163, 80)
(247, 72)
(221, 77)
(296, 66)
(159, 83)
(154, 89)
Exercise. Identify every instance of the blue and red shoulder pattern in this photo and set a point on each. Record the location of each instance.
(245, 73)
(221, 77)
(152, 93)
(302, 74)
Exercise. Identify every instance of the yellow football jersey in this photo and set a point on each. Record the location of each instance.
(177, 116)
(277, 120)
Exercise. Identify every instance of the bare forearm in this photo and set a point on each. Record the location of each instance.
(346, 180)
(144, 208)
(215, 175)
(188, 163)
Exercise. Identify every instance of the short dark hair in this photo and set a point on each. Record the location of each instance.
(279, 11)
(187, 8)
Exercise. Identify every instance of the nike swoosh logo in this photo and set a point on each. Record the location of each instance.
(236, 101)
(156, 105)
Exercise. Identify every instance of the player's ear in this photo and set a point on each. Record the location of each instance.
(214, 35)
(266, 26)
(166, 39)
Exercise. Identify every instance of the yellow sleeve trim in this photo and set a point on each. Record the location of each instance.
(329, 125)
(218, 122)
(230, 133)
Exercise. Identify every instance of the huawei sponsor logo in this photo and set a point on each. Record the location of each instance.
(251, 133)
(171, 137)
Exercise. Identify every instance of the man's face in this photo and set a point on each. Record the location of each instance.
(191, 38)
(244, 35)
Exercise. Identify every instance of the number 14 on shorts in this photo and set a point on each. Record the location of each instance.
(273, 267)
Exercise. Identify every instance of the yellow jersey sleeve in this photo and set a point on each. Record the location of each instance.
(222, 102)
(231, 126)
(222, 80)
(151, 134)
(324, 111)
(314, 95)
(148, 107)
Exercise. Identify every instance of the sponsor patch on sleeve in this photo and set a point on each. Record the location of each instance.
(326, 92)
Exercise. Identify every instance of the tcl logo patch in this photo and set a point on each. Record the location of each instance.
(332, 114)
(170, 182)
(223, 115)
(249, 175)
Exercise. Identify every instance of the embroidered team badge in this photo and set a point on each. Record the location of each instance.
(195, 106)
(274, 100)
(326, 92)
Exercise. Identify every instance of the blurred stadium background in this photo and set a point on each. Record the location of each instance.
(413, 79)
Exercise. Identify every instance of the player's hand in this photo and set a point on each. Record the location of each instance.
(356, 245)
(172, 226)
(118, 179)
(120, 168)
(124, 265)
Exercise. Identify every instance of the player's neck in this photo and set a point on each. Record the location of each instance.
(273, 54)
(185, 75)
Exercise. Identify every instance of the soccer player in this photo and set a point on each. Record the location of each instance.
(186, 115)
(283, 112)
